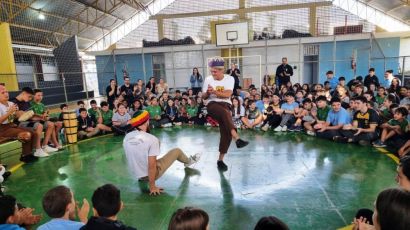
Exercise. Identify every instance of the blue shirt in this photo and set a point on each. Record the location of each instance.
(286, 106)
(338, 118)
(10, 227)
(333, 83)
(387, 83)
(260, 106)
(61, 224)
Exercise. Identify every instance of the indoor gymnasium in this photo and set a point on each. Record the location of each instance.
(199, 115)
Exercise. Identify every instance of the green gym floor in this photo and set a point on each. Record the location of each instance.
(307, 182)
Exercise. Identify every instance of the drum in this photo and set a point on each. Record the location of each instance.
(70, 126)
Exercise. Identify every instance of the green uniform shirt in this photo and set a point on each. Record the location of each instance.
(403, 124)
(380, 100)
(106, 116)
(38, 108)
(192, 111)
(92, 112)
(154, 111)
(322, 113)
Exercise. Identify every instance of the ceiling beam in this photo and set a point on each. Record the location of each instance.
(242, 11)
(25, 6)
(48, 31)
(13, 15)
(131, 3)
(395, 8)
(94, 5)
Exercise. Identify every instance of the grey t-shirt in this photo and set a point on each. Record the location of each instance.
(121, 118)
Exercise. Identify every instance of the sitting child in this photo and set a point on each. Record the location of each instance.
(92, 112)
(189, 218)
(192, 111)
(86, 125)
(12, 217)
(107, 204)
(238, 112)
(104, 118)
(155, 113)
(253, 117)
(171, 113)
(303, 115)
(288, 111)
(120, 120)
(272, 114)
(396, 126)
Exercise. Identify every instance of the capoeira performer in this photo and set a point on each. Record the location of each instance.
(217, 89)
(142, 148)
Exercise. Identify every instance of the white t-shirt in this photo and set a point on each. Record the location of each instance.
(227, 83)
(3, 111)
(138, 146)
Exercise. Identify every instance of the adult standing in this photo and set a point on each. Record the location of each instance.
(112, 93)
(371, 78)
(283, 72)
(151, 85)
(218, 89)
(236, 74)
(127, 90)
(196, 81)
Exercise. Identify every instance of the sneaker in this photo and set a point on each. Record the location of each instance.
(49, 149)
(28, 158)
(340, 139)
(222, 166)
(193, 159)
(265, 127)
(284, 128)
(310, 133)
(292, 128)
(241, 143)
(40, 153)
(379, 144)
(298, 128)
(278, 129)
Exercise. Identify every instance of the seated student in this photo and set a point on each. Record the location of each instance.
(202, 111)
(304, 115)
(336, 119)
(104, 118)
(253, 117)
(86, 125)
(23, 104)
(9, 130)
(287, 111)
(92, 112)
(120, 120)
(406, 97)
(363, 129)
(263, 104)
(192, 111)
(107, 204)
(381, 95)
(270, 223)
(171, 114)
(396, 126)
(80, 104)
(392, 210)
(403, 173)
(141, 150)
(182, 113)
(136, 106)
(11, 217)
(155, 112)
(41, 115)
(272, 114)
(63, 108)
(386, 112)
(60, 205)
(189, 218)
(238, 112)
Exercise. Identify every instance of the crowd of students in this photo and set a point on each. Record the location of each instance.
(363, 112)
